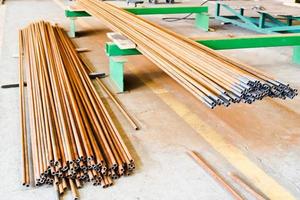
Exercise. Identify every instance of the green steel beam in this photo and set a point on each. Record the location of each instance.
(148, 11)
(224, 43)
(167, 10)
(71, 13)
(201, 12)
(252, 42)
(112, 49)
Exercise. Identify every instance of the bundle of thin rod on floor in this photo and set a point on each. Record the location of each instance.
(73, 138)
(211, 77)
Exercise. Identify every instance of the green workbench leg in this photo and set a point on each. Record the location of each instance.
(116, 70)
(72, 32)
(296, 56)
(202, 21)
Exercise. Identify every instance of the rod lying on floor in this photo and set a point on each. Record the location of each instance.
(73, 138)
(25, 159)
(215, 175)
(211, 77)
(117, 102)
(247, 187)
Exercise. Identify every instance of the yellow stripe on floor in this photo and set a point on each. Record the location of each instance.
(235, 156)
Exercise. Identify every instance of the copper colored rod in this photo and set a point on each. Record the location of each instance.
(55, 133)
(119, 104)
(73, 138)
(211, 77)
(214, 174)
(113, 98)
(25, 160)
(73, 189)
(91, 105)
(87, 83)
(47, 141)
(30, 90)
(246, 186)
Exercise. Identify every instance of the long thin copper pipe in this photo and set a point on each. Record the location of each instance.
(246, 186)
(73, 138)
(117, 102)
(25, 160)
(215, 175)
(211, 77)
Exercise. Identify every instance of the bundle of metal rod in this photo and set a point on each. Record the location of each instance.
(73, 138)
(211, 77)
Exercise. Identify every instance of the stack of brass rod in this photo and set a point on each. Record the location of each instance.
(211, 77)
(73, 139)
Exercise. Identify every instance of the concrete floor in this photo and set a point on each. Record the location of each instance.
(259, 142)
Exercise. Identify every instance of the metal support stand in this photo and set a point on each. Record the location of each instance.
(202, 21)
(72, 32)
(296, 55)
(265, 23)
(116, 72)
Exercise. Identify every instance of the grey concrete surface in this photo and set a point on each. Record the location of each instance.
(267, 133)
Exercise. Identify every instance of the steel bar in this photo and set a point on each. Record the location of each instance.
(13, 85)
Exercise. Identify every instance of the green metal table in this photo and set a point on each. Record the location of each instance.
(201, 12)
(116, 65)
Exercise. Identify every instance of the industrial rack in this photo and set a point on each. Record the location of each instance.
(116, 63)
(201, 15)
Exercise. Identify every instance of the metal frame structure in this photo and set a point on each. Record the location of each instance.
(116, 64)
(265, 23)
(201, 12)
(116, 61)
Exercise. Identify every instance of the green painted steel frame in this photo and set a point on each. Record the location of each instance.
(79, 13)
(201, 12)
(148, 11)
(253, 42)
(168, 10)
(266, 23)
(116, 67)
(116, 73)
(224, 43)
